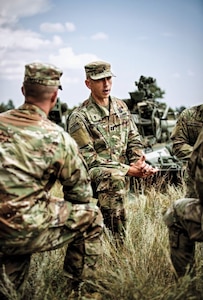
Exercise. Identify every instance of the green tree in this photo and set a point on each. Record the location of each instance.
(148, 88)
(8, 106)
(180, 109)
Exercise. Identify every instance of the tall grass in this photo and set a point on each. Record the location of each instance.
(140, 269)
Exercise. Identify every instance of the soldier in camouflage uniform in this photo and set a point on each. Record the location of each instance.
(185, 218)
(184, 136)
(110, 143)
(34, 153)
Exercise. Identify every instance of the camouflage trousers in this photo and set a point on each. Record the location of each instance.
(110, 187)
(185, 223)
(81, 232)
(190, 186)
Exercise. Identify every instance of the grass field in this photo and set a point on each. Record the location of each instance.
(141, 269)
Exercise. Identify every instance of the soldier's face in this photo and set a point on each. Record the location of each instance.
(100, 88)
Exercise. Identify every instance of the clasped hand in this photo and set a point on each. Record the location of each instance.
(141, 168)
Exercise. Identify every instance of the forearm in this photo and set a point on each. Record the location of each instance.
(74, 177)
(182, 150)
(141, 169)
(181, 141)
(135, 145)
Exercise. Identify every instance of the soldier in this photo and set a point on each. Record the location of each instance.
(184, 136)
(36, 152)
(110, 143)
(184, 218)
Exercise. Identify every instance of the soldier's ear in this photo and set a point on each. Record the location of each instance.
(54, 96)
(87, 82)
(53, 101)
(23, 90)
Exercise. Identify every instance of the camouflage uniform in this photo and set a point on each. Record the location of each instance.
(184, 136)
(185, 218)
(34, 153)
(108, 140)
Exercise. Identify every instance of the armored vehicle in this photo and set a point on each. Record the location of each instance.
(155, 121)
(58, 114)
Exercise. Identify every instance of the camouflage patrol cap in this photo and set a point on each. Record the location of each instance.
(98, 70)
(44, 74)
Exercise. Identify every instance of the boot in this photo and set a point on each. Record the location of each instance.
(182, 251)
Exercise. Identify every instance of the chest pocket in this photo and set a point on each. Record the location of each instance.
(99, 134)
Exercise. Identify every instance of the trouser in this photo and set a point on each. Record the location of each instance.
(184, 221)
(182, 250)
(115, 221)
(190, 186)
(111, 189)
(81, 232)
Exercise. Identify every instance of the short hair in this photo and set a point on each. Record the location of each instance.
(38, 90)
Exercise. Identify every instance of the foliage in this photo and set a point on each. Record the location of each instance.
(8, 106)
(140, 269)
(149, 88)
(180, 109)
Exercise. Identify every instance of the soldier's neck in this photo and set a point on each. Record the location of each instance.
(102, 101)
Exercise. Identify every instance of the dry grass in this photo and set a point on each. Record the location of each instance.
(141, 269)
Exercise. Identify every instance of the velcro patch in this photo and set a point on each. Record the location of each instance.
(81, 137)
(75, 127)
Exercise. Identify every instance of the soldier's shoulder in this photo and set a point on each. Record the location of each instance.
(77, 116)
(80, 108)
(52, 126)
(119, 102)
(191, 111)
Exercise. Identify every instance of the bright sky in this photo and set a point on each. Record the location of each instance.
(158, 38)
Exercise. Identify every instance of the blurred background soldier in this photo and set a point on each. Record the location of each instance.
(36, 152)
(184, 219)
(110, 143)
(184, 136)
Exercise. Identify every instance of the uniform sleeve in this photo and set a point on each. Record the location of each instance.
(135, 145)
(180, 138)
(79, 131)
(74, 175)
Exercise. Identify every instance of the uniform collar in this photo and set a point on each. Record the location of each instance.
(33, 109)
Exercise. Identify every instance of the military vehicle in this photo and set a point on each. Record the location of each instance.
(58, 114)
(155, 121)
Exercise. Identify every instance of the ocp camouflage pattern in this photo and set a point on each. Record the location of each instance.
(107, 137)
(43, 74)
(184, 136)
(109, 141)
(185, 217)
(196, 166)
(186, 131)
(34, 153)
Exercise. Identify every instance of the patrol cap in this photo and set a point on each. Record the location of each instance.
(44, 74)
(98, 70)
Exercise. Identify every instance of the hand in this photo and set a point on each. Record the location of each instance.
(141, 169)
